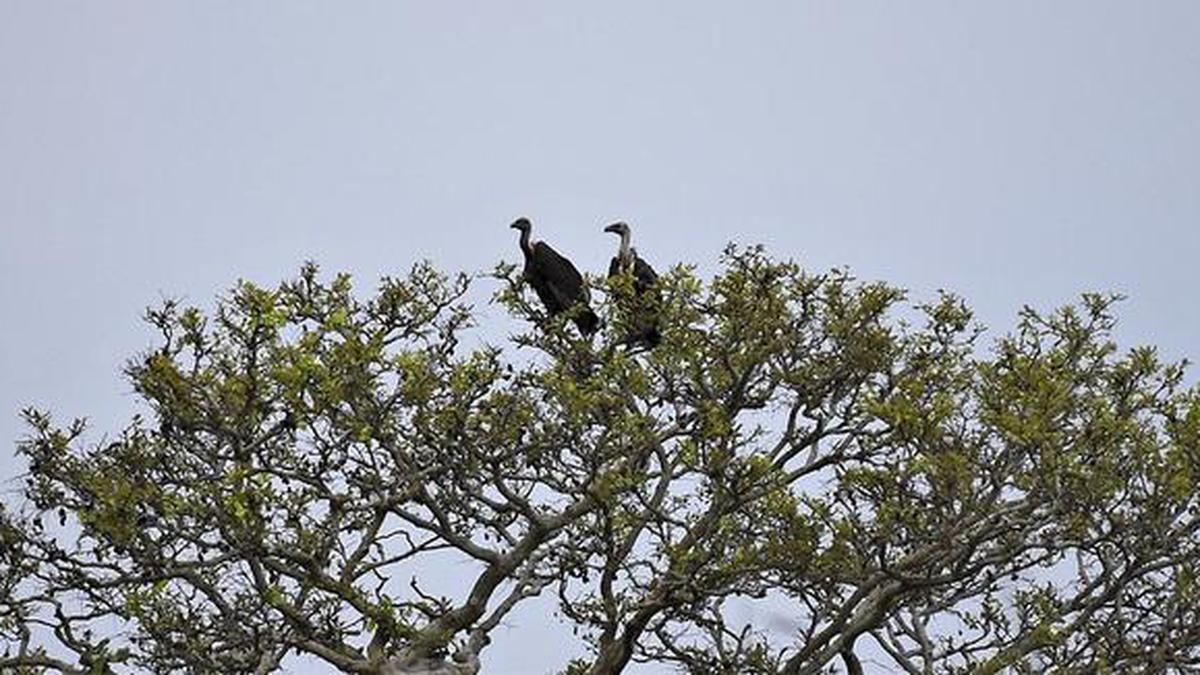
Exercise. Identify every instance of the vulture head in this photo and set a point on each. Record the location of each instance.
(620, 228)
(522, 224)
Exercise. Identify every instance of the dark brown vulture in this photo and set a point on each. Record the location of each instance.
(555, 280)
(645, 325)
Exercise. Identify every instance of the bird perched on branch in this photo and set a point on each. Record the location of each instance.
(555, 280)
(645, 323)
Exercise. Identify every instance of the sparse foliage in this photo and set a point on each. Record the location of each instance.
(805, 471)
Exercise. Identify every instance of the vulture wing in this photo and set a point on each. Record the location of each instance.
(560, 275)
(643, 274)
(560, 286)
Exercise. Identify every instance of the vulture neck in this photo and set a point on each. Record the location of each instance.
(527, 242)
(625, 253)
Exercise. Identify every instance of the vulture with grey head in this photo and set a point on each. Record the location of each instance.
(645, 324)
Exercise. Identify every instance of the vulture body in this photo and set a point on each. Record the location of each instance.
(645, 324)
(557, 282)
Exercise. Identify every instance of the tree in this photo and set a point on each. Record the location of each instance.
(866, 474)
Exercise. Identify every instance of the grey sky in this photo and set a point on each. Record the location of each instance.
(1015, 152)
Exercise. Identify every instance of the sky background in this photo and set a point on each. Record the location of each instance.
(1015, 152)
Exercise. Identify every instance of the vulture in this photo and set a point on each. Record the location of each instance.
(557, 283)
(645, 324)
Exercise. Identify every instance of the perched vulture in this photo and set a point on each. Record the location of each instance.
(645, 324)
(557, 283)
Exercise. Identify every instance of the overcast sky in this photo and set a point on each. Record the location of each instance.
(1016, 152)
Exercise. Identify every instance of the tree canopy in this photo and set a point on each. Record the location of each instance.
(875, 477)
